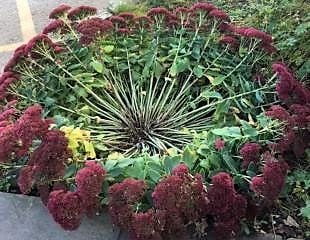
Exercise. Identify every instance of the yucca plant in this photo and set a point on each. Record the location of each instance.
(147, 83)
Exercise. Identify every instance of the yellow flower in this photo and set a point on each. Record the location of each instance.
(78, 138)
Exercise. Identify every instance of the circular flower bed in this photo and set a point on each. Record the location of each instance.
(178, 119)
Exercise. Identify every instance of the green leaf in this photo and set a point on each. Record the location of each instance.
(259, 97)
(189, 157)
(81, 92)
(154, 175)
(248, 130)
(199, 71)
(136, 171)
(217, 80)
(305, 211)
(49, 101)
(228, 132)
(108, 48)
(230, 162)
(171, 162)
(110, 164)
(97, 66)
(179, 66)
(211, 94)
(122, 163)
(71, 170)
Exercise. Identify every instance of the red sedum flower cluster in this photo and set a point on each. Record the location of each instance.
(68, 207)
(92, 28)
(288, 88)
(17, 136)
(295, 113)
(226, 206)
(270, 184)
(178, 200)
(59, 11)
(81, 12)
(89, 183)
(250, 152)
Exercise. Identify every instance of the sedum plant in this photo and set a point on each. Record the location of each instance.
(185, 118)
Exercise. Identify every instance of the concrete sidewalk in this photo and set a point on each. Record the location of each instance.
(22, 19)
(26, 218)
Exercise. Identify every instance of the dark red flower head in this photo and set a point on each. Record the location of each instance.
(26, 179)
(123, 31)
(219, 15)
(118, 20)
(207, 7)
(269, 48)
(89, 182)
(254, 33)
(152, 230)
(6, 79)
(272, 180)
(143, 21)
(81, 12)
(226, 27)
(39, 39)
(92, 28)
(19, 54)
(160, 11)
(66, 208)
(278, 112)
(250, 152)
(53, 26)
(127, 16)
(122, 197)
(59, 11)
(219, 144)
(180, 170)
(229, 40)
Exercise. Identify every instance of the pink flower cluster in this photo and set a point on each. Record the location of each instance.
(123, 197)
(288, 88)
(295, 112)
(183, 198)
(17, 137)
(89, 183)
(233, 33)
(230, 40)
(226, 206)
(250, 152)
(92, 28)
(59, 11)
(53, 26)
(178, 200)
(6, 79)
(47, 162)
(272, 180)
(81, 12)
(296, 135)
(28, 50)
(68, 207)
